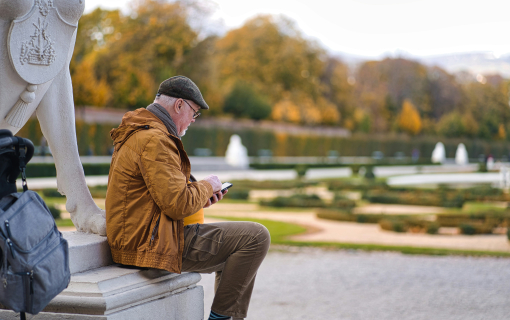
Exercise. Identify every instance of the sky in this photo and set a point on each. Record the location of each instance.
(377, 28)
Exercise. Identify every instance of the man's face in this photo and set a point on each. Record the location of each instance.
(189, 109)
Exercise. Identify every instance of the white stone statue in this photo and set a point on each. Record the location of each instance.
(490, 163)
(237, 154)
(36, 45)
(504, 177)
(461, 155)
(439, 154)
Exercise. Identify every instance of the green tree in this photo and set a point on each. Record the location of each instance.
(451, 125)
(243, 101)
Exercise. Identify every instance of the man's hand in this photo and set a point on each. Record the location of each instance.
(214, 181)
(217, 196)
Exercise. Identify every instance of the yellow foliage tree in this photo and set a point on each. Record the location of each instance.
(286, 110)
(270, 53)
(87, 89)
(329, 112)
(409, 119)
(501, 132)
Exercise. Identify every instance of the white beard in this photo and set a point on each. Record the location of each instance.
(183, 133)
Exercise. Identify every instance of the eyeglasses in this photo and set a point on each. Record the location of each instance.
(196, 114)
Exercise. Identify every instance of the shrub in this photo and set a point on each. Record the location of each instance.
(235, 193)
(398, 226)
(432, 228)
(368, 218)
(508, 233)
(36, 170)
(364, 185)
(355, 169)
(392, 225)
(52, 193)
(343, 204)
(484, 221)
(297, 200)
(386, 225)
(369, 172)
(55, 212)
(439, 198)
(301, 170)
(98, 192)
(337, 215)
(467, 229)
(271, 184)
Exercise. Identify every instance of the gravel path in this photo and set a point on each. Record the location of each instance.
(317, 284)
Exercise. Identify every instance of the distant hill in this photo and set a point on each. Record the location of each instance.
(485, 63)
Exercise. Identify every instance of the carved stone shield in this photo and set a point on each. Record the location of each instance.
(39, 43)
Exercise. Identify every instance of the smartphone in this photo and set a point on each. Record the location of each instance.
(224, 187)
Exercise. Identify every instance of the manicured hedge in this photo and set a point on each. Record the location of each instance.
(39, 170)
(271, 184)
(476, 223)
(297, 200)
(95, 139)
(416, 197)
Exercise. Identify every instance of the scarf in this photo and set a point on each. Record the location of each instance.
(164, 116)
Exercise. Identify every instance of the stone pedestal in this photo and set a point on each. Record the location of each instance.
(100, 290)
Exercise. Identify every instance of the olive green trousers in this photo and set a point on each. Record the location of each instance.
(234, 250)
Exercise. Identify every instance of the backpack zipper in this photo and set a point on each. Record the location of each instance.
(9, 243)
(8, 227)
(14, 245)
(30, 292)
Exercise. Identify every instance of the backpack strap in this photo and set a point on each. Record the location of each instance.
(22, 163)
(20, 150)
(6, 202)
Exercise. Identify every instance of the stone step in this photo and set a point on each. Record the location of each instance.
(102, 290)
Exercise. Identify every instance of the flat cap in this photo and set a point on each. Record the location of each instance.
(182, 87)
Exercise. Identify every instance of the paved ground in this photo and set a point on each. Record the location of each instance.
(351, 232)
(314, 284)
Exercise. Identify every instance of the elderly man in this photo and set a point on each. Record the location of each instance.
(154, 215)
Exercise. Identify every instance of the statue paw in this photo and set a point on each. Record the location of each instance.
(90, 220)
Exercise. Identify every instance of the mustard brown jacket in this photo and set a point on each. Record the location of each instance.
(149, 195)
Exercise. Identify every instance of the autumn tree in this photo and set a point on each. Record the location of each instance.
(133, 54)
(409, 119)
(338, 88)
(243, 101)
(272, 56)
(488, 103)
(451, 125)
(94, 31)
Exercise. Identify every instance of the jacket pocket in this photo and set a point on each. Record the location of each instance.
(205, 243)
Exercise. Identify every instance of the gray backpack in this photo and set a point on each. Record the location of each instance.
(33, 254)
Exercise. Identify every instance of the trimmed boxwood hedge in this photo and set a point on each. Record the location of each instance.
(297, 200)
(41, 170)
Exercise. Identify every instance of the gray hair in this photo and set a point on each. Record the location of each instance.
(165, 100)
